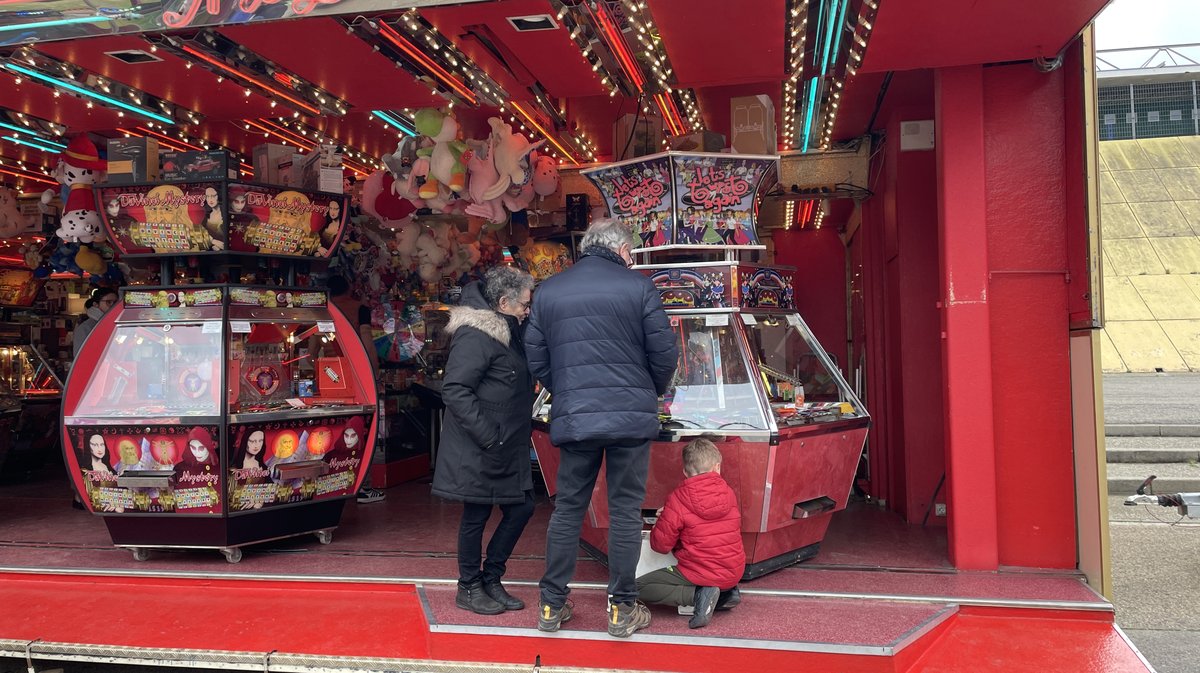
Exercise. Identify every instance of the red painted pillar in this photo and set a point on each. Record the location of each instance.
(966, 317)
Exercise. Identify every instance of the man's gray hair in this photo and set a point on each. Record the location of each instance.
(505, 281)
(607, 232)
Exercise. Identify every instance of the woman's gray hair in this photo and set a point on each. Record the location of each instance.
(607, 232)
(505, 281)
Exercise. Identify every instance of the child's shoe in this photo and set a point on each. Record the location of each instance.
(706, 602)
(626, 618)
(729, 600)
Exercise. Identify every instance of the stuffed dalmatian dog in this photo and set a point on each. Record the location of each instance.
(78, 169)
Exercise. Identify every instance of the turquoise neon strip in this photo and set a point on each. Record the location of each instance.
(18, 129)
(841, 28)
(808, 111)
(91, 94)
(829, 37)
(820, 22)
(30, 143)
(56, 22)
(391, 121)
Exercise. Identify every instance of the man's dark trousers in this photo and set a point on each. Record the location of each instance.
(626, 465)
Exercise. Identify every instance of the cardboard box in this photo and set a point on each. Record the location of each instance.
(194, 166)
(315, 173)
(288, 170)
(700, 141)
(630, 141)
(752, 125)
(266, 161)
(132, 160)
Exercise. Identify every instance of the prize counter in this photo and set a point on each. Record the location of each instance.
(154, 447)
(752, 378)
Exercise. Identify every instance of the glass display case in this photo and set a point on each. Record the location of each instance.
(751, 377)
(26, 374)
(219, 416)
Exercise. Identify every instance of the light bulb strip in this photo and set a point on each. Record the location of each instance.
(427, 64)
(548, 136)
(234, 74)
(75, 88)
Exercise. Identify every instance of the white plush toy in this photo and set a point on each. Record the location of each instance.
(79, 168)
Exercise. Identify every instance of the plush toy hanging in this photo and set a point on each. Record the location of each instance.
(78, 169)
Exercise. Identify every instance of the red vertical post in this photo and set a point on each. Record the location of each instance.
(966, 317)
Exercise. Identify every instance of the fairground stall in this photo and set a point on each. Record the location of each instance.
(751, 375)
(933, 212)
(216, 416)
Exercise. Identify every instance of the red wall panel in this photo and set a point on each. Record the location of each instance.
(820, 281)
(1026, 223)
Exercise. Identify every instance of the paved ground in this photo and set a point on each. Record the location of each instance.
(1166, 399)
(1156, 556)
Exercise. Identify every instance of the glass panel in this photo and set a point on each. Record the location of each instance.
(157, 371)
(279, 361)
(713, 387)
(800, 386)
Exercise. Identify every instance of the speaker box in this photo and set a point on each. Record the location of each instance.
(577, 212)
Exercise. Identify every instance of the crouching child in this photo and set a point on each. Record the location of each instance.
(701, 524)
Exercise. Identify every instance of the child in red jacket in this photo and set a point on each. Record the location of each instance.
(701, 524)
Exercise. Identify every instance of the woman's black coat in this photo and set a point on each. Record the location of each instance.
(483, 456)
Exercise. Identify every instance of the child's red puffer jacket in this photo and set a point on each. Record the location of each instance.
(701, 524)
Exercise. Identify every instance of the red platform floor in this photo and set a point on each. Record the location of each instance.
(880, 596)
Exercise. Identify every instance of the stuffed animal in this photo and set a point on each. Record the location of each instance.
(78, 169)
(545, 174)
(510, 156)
(12, 222)
(483, 177)
(446, 156)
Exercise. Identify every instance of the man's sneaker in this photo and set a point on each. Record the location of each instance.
(550, 618)
(368, 495)
(706, 602)
(626, 618)
(729, 600)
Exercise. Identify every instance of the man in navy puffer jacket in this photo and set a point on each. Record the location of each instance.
(600, 341)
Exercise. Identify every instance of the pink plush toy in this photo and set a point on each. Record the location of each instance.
(12, 222)
(510, 156)
(545, 174)
(483, 177)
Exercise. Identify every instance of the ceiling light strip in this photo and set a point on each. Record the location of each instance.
(56, 22)
(27, 176)
(39, 137)
(435, 70)
(237, 74)
(616, 42)
(549, 137)
(388, 119)
(31, 142)
(75, 88)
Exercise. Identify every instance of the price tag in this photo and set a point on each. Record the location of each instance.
(325, 326)
(211, 327)
(716, 319)
(793, 320)
(239, 326)
(749, 319)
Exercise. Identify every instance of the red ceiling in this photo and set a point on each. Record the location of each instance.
(720, 48)
(912, 34)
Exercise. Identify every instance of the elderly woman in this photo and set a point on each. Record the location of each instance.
(483, 457)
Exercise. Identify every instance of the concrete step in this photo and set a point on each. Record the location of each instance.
(1151, 430)
(1124, 478)
(1152, 455)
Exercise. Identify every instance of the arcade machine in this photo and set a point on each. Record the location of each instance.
(750, 376)
(217, 416)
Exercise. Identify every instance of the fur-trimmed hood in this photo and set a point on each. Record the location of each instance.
(474, 312)
(485, 320)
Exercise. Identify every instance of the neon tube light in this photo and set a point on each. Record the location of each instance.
(553, 141)
(239, 75)
(670, 113)
(27, 132)
(31, 143)
(271, 131)
(55, 22)
(430, 66)
(75, 88)
(289, 134)
(391, 121)
(617, 43)
(29, 176)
